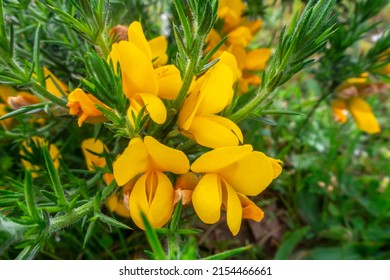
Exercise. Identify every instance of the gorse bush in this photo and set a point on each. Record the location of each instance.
(131, 125)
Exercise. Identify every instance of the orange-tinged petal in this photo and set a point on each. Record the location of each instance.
(339, 108)
(207, 199)
(165, 158)
(153, 195)
(158, 47)
(224, 131)
(83, 105)
(169, 81)
(137, 69)
(54, 85)
(155, 107)
(250, 175)
(133, 161)
(250, 210)
(363, 115)
(220, 158)
(240, 36)
(136, 35)
(233, 209)
(256, 60)
(90, 146)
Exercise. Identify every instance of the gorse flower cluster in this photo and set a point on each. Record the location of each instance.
(147, 169)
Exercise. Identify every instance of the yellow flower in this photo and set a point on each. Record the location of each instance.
(54, 85)
(115, 203)
(230, 11)
(361, 112)
(144, 163)
(142, 84)
(158, 46)
(248, 63)
(90, 148)
(231, 174)
(84, 106)
(37, 141)
(210, 94)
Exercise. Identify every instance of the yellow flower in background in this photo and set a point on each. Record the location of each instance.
(350, 99)
(83, 105)
(115, 203)
(38, 142)
(210, 94)
(240, 33)
(90, 148)
(361, 112)
(142, 84)
(249, 62)
(143, 164)
(54, 85)
(230, 11)
(230, 175)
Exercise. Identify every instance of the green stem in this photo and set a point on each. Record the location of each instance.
(312, 111)
(70, 218)
(250, 107)
(190, 71)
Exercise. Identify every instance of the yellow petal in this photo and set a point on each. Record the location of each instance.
(158, 47)
(137, 69)
(230, 60)
(153, 195)
(250, 175)
(277, 165)
(256, 60)
(217, 159)
(250, 210)
(363, 115)
(155, 107)
(169, 81)
(207, 199)
(230, 11)
(216, 90)
(165, 158)
(54, 85)
(190, 106)
(240, 36)
(96, 146)
(240, 55)
(136, 36)
(215, 131)
(233, 210)
(133, 161)
(117, 205)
